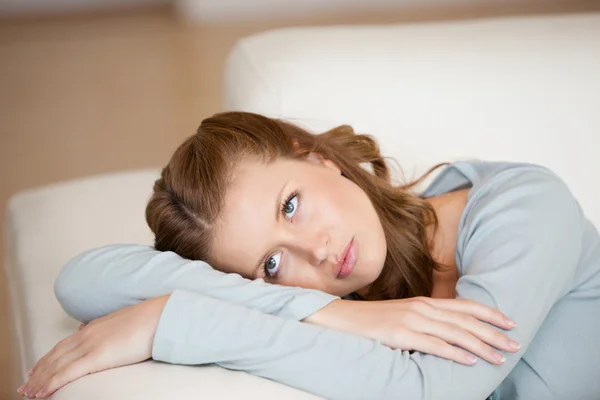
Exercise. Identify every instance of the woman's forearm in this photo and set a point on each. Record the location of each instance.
(200, 330)
(103, 280)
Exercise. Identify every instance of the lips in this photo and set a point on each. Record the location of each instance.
(347, 260)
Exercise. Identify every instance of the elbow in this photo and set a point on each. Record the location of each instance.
(67, 289)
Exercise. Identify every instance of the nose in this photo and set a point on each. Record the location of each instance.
(314, 247)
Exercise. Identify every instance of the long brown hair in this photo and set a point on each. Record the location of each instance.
(189, 196)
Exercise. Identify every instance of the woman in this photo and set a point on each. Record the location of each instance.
(264, 202)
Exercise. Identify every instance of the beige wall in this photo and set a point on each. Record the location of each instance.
(91, 94)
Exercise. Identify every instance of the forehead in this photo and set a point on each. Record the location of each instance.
(253, 182)
(248, 217)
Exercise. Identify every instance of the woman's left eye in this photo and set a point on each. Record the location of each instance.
(272, 265)
(290, 206)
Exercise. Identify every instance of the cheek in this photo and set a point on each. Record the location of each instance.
(338, 197)
(376, 252)
(350, 202)
(305, 277)
(364, 222)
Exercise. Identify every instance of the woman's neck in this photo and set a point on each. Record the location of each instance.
(448, 209)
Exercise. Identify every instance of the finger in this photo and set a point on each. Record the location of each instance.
(481, 330)
(74, 370)
(61, 348)
(485, 333)
(437, 347)
(42, 378)
(26, 388)
(460, 337)
(81, 326)
(57, 351)
(475, 309)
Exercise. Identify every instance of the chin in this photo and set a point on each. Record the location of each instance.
(342, 292)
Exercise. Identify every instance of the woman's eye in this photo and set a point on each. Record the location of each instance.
(272, 264)
(290, 206)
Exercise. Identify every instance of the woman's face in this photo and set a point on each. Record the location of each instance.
(299, 223)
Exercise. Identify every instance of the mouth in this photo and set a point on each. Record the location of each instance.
(347, 260)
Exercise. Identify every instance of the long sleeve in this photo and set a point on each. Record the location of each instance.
(103, 280)
(519, 232)
(195, 329)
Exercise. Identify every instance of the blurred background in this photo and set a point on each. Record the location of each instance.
(95, 86)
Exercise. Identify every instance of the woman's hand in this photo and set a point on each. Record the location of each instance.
(121, 338)
(440, 327)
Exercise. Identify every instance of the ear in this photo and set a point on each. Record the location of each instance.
(296, 145)
(318, 159)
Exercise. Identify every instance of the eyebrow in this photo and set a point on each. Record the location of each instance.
(278, 201)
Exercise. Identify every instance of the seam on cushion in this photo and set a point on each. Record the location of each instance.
(15, 294)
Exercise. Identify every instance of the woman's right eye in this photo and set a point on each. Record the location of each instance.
(272, 265)
(290, 207)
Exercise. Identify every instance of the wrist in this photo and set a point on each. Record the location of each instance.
(332, 316)
(153, 309)
(152, 314)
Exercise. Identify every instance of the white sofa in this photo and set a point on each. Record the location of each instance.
(514, 89)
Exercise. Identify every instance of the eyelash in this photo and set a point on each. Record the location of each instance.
(288, 199)
(295, 193)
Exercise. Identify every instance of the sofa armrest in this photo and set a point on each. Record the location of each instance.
(44, 228)
(155, 380)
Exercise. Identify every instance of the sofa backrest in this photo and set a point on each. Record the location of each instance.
(515, 89)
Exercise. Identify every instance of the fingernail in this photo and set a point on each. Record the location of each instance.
(40, 394)
(510, 322)
(499, 358)
(20, 389)
(471, 359)
(514, 345)
(28, 392)
(30, 372)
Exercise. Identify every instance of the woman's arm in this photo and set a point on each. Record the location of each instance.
(195, 329)
(126, 336)
(516, 230)
(103, 280)
(522, 232)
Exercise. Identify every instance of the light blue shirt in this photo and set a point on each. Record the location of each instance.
(524, 247)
